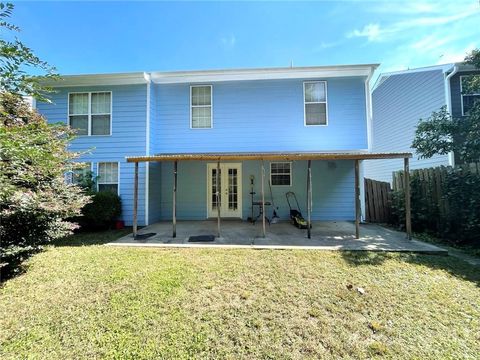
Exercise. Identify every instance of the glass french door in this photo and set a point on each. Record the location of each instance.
(230, 190)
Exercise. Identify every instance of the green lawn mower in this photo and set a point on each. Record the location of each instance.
(296, 217)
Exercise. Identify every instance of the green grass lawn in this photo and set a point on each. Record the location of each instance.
(82, 300)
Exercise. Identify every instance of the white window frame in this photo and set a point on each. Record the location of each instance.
(198, 106)
(89, 130)
(461, 91)
(118, 175)
(315, 102)
(291, 172)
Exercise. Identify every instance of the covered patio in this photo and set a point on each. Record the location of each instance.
(325, 235)
(220, 231)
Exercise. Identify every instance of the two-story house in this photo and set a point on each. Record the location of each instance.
(256, 127)
(400, 99)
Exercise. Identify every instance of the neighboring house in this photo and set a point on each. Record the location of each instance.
(322, 110)
(400, 99)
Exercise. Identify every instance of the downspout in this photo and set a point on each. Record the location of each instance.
(148, 79)
(448, 98)
(368, 114)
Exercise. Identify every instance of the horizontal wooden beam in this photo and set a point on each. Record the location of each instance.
(268, 156)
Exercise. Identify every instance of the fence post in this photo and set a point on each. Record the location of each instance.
(408, 210)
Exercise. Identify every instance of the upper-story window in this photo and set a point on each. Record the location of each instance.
(468, 96)
(90, 113)
(315, 102)
(201, 107)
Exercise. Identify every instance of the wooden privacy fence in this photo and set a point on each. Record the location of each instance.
(431, 184)
(378, 197)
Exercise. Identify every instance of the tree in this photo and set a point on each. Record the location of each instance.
(16, 59)
(35, 201)
(441, 134)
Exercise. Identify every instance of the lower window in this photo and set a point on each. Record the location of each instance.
(108, 177)
(78, 175)
(281, 173)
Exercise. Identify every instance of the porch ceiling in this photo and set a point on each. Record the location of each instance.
(287, 156)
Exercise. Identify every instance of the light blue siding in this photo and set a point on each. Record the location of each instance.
(333, 190)
(263, 115)
(398, 104)
(128, 137)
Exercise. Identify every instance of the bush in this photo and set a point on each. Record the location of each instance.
(35, 201)
(105, 208)
(459, 222)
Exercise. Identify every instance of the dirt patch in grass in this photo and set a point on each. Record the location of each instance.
(103, 302)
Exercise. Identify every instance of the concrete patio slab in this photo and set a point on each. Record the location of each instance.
(326, 235)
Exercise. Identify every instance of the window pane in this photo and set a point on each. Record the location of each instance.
(100, 124)
(79, 122)
(108, 173)
(201, 95)
(78, 104)
(468, 84)
(201, 117)
(468, 102)
(101, 103)
(108, 187)
(315, 92)
(315, 114)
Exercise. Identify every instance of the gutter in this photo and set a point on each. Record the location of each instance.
(448, 98)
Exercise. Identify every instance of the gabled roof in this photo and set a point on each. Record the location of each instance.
(445, 68)
(197, 76)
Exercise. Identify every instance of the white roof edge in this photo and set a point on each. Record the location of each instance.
(263, 73)
(212, 75)
(441, 67)
(98, 79)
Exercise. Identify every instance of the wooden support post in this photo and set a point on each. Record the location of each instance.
(309, 199)
(217, 196)
(263, 200)
(408, 210)
(357, 200)
(135, 201)
(174, 215)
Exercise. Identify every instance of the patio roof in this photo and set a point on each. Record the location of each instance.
(285, 156)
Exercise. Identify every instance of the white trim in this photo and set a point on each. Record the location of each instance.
(314, 72)
(89, 114)
(448, 101)
(461, 91)
(97, 175)
(384, 76)
(291, 173)
(147, 150)
(368, 112)
(198, 106)
(315, 102)
(223, 166)
(96, 79)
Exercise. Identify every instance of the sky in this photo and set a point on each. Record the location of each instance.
(105, 37)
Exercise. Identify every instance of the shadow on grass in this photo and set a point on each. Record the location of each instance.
(454, 266)
(92, 238)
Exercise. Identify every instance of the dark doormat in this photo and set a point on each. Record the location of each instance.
(201, 238)
(144, 236)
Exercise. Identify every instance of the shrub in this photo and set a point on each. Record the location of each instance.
(105, 208)
(459, 222)
(34, 198)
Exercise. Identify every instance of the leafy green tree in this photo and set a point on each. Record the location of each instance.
(441, 134)
(16, 59)
(35, 200)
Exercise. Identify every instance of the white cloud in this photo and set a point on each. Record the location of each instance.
(371, 31)
(229, 41)
(451, 56)
(411, 26)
